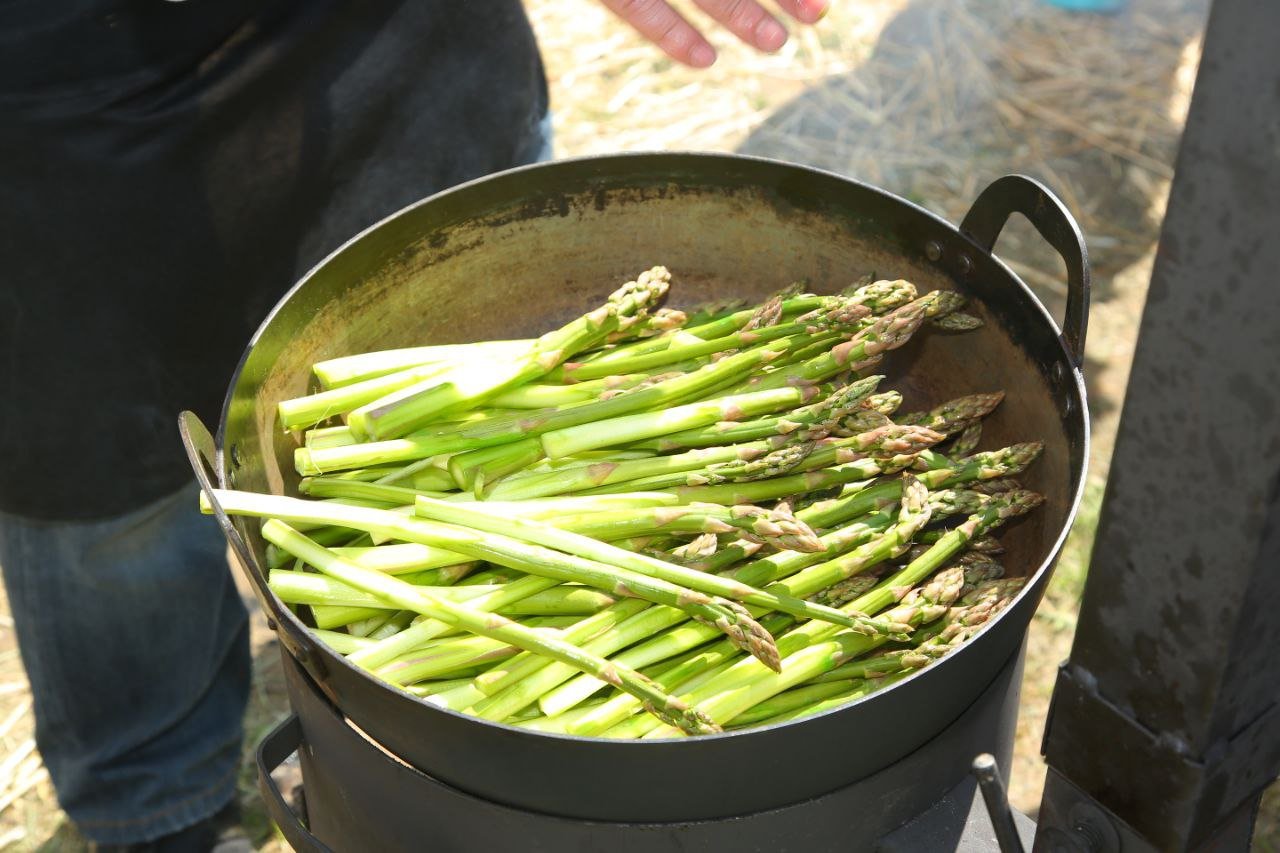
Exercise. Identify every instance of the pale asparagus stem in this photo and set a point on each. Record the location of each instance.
(803, 424)
(302, 412)
(573, 543)
(777, 526)
(685, 675)
(525, 692)
(317, 590)
(628, 428)
(405, 410)
(525, 664)
(349, 369)
(728, 616)
(660, 704)
(539, 396)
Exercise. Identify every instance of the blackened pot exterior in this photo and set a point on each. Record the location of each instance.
(514, 254)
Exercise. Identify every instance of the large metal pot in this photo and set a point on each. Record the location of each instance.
(516, 253)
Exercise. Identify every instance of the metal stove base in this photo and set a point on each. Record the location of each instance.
(359, 798)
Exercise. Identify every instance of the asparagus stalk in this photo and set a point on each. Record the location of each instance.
(756, 686)
(686, 350)
(778, 526)
(967, 440)
(350, 369)
(727, 616)
(740, 688)
(584, 546)
(526, 691)
(661, 705)
(955, 415)
(858, 689)
(887, 333)
(523, 665)
(403, 411)
(805, 424)
(629, 428)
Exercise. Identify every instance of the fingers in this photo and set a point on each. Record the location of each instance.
(805, 11)
(747, 20)
(662, 25)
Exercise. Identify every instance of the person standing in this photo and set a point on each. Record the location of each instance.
(167, 171)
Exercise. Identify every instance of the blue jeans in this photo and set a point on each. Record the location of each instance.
(137, 647)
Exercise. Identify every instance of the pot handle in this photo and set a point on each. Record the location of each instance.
(202, 453)
(283, 741)
(1019, 194)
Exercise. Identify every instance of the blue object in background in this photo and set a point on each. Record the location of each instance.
(1089, 5)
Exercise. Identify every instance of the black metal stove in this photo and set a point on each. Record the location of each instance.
(361, 798)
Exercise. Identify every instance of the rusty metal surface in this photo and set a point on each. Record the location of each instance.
(1168, 713)
(513, 255)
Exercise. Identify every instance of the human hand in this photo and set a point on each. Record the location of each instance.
(746, 19)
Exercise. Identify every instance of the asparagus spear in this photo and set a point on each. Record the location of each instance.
(347, 370)
(682, 351)
(727, 616)
(745, 686)
(403, 411)
(778, 526)
(629, 428)
(955, 415)
(967, 440)
(887, 333)
(584, 546)
(805, 423)
(661, 705)
(740, 688)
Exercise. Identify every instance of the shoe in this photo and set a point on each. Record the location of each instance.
(221, 833)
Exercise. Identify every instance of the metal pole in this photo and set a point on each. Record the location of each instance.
(1164, 726)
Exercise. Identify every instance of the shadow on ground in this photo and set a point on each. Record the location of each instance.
(956, 94)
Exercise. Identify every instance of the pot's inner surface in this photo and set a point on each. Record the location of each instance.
(515, 256)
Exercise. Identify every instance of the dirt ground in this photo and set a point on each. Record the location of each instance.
(931, 99)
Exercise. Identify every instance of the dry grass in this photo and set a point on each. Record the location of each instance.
(931, 99)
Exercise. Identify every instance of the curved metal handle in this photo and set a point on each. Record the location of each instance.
(1019, 194)
(202, 453)
(282, 742)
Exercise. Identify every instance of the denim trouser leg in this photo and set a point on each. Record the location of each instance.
(136, 644)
